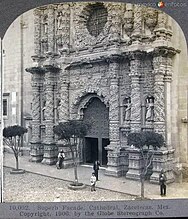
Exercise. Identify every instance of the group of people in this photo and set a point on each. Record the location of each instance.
(95, 176)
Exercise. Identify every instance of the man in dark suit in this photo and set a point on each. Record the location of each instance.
(96, 168)
(162, 182)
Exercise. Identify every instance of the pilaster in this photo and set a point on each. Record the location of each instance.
(50, 148)
(159, 68)
(51, 28)
(64, 97)
(37, 84)
(114, 115)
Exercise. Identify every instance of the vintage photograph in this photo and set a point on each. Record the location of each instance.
(94, 104)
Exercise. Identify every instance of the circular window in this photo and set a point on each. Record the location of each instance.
(97, 19)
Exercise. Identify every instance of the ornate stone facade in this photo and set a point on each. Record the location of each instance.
(125, 61)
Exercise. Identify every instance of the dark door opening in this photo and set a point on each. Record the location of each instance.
(91, 150)
(105, 142)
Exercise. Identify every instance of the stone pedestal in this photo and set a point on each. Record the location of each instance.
(124, 161)
(163, 159)
(114, 168)
(135, 164)
(50, 154)
(36, 151)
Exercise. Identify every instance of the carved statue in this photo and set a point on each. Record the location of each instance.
(43, 111)
(127, 115)
(59, 23)
(149, 109)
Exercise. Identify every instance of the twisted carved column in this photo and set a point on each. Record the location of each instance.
(50, 148)
(135, 159)
(64, 105)
(37, 31)
(113, 148)
(163, 158)
(137, 27)
(159, 65)
(35, 143)
(135, 73)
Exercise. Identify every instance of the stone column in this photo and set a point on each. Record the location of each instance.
(51, 28)
(163, 158)
(161, 29)
(114, 116)
(36, 148)
(159, 68)
(137, 28)
(50, 148)
(135, 73)
(64, 98)
(37, 32)
(35, 143)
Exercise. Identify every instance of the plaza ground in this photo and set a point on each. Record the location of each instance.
(42, 183)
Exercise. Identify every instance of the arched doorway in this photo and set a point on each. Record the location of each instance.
(98, 136)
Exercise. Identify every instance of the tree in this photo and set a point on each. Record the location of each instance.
(72, 132)
(147, 143)
(12, 137)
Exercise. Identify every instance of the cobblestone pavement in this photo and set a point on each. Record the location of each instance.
(30, 187)
(108, 183)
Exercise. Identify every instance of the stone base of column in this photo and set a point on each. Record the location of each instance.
(50, 154)
(135, 164)
(163, 159)
(114, 167)
(36, 152)
(124, 161)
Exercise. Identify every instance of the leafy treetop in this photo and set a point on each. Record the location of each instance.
(12, 131)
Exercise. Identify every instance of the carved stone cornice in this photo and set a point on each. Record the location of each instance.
(165, 51)
(36, 70)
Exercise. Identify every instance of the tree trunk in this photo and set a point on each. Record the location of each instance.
(75, 168)
(142, 186)
(75, 173)
(17, 167)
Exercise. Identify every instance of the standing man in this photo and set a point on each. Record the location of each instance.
(96, 169)
(61, 157)
(162, 182)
